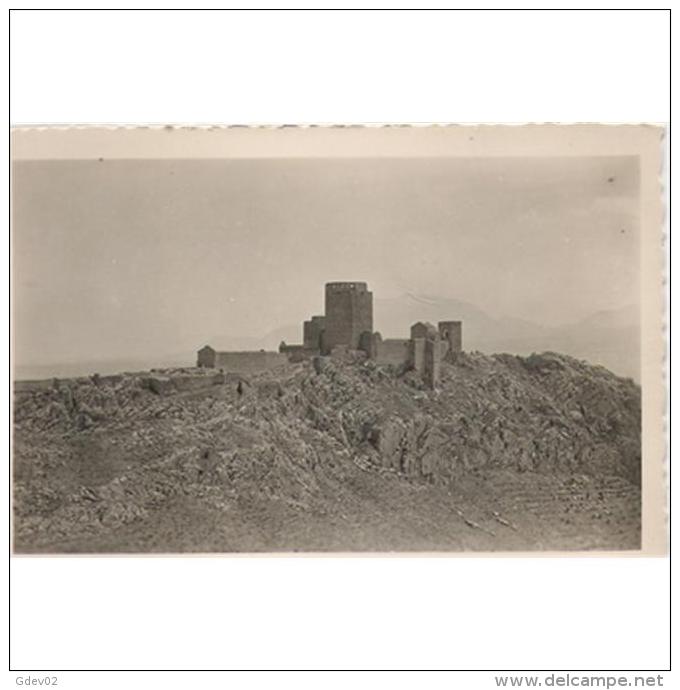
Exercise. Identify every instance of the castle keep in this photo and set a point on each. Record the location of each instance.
(346, 327)
(349, 313)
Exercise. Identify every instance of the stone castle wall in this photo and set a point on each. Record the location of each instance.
(298, 353)
(312, 331)
(432, 363)
(249, 362)
(418, 354)
(451, 332)
(345, 329)
(394, 351)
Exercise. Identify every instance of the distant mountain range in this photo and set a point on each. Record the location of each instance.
(609, 338)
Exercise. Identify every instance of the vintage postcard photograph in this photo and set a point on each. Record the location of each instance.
(415, 340)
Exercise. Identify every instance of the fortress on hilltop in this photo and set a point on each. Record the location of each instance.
(346, 328)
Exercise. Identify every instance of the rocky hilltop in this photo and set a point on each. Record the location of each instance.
(509, 453)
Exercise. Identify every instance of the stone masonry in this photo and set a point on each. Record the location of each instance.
(347, 326)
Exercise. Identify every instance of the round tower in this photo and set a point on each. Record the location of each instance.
(349, 313)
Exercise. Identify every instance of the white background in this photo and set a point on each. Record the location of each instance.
(331, 613)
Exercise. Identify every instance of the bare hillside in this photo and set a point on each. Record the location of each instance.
(539, 452)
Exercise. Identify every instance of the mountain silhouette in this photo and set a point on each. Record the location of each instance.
(607, 338)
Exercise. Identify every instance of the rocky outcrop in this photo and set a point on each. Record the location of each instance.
(546, 413)
(108, 457)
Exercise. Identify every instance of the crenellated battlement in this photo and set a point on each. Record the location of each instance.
(347, 286)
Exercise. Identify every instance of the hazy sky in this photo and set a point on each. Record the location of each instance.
(131, 258)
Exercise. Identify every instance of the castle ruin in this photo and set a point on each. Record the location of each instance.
(349, 313)
(346, 327)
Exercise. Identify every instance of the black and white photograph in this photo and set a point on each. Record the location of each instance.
(339, 348)
(328, 352)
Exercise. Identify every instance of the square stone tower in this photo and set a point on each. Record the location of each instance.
(349, 313)
(452, 333)
(312, 331)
